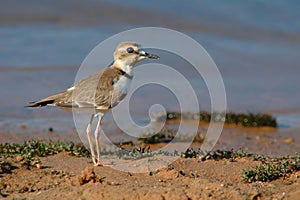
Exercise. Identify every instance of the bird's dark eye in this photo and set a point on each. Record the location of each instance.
(130, 50)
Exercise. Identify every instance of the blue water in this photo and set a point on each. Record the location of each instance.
(255, 44)
(47, 45)
(289, 120)
(252, 15)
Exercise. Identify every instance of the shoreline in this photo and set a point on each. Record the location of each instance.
(260, 140)
(63, 176)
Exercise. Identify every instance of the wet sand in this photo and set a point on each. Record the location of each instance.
(264, 140)
(64, 177)
(216, 180)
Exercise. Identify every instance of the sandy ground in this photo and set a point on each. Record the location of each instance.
(65, 177)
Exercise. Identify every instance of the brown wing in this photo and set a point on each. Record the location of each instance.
(95, 91)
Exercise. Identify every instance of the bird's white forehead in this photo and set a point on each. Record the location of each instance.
(125, 45)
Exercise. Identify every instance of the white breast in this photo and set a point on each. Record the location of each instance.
(121, 88)
(122, 85)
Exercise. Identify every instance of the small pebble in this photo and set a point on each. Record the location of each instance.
(289, 140)
(19, 158)
(22, 127)
(39, 166)
(271, 185)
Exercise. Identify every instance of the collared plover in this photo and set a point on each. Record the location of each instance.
(100, 91)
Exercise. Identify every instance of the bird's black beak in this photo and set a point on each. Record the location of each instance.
(148, 55)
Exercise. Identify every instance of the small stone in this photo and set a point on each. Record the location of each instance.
(22, 127)
(289, 140)
(24, 189)
(39, 166)
(271, 185)
(19, 158)
(88, 175)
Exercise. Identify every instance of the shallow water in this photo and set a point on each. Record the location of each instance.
(257, 54)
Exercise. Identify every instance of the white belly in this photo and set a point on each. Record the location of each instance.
(121, 88)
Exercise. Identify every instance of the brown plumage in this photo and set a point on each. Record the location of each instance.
(85, 95)
(100, 91)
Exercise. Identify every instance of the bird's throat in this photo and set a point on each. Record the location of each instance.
(124, 67)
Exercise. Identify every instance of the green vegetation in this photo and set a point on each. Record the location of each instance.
(138, 152)
(154, 138)
(28, 152)
(272, 169)
(165, 136)
(215, 155)
(246, 120)
(6, 167)
(38, 148)
(269, 169)
(251, 120)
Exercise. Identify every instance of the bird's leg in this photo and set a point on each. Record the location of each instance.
(97, 135)
(89, 132)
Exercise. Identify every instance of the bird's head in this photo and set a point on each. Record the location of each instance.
(129, 53)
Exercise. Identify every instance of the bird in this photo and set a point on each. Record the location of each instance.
(100, 91)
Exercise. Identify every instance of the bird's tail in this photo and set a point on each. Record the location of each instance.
(41, 103)
(50, 101)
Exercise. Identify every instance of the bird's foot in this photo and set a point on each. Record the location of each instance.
(98, 164)
(103, 165)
